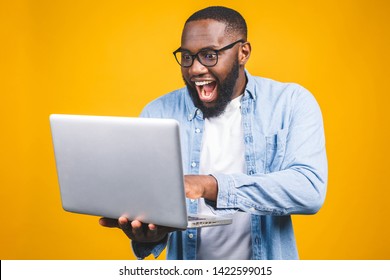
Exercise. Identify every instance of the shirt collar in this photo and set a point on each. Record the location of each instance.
(250, 88)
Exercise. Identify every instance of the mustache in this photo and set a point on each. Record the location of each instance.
(191, 84)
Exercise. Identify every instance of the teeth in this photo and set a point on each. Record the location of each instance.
(203, 83)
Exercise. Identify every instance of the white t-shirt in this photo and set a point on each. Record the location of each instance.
(223, 151)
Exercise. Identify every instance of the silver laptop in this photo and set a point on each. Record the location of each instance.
(120, 166)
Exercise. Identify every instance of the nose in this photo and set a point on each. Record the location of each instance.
(197, 68)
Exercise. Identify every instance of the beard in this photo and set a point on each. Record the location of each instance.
(225, 93)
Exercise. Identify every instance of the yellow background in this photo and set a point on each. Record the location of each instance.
(113, 57)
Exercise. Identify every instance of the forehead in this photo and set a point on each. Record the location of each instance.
(202, 34)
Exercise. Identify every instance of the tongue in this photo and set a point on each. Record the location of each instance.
(209, 87)
(206, 92)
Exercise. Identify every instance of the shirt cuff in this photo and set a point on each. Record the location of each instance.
(227, 192)
(143, 250)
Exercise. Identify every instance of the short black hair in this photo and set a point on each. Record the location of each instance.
(234, 21)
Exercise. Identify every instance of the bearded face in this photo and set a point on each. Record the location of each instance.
(220, 92)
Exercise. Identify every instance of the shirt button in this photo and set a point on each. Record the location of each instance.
(191, 236)
(193, 164)
(197, 130)
(192, 200)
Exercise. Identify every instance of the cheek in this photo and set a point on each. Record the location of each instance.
(185, 74)
(224, 67)
(220, 73)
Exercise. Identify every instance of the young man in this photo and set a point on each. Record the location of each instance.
(255, 148)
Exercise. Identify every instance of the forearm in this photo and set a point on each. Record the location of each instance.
(198, 186)
(296, 190)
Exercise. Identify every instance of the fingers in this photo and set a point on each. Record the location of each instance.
(136, 230)
(152, 227)
(127, 226)
(124, 223)
(107, 222)
(144, 232)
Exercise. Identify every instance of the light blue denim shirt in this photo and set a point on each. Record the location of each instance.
(286, 165)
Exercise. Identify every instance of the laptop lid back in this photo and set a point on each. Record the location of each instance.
(114, 166)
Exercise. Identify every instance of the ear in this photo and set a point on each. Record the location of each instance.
(245, 52)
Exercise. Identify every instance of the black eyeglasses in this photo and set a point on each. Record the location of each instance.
(207, 57)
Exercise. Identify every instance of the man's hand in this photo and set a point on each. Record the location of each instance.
(197, 186)
(137, 231)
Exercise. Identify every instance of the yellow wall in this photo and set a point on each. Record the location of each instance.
(112, 57)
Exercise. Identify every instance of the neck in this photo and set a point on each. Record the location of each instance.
(240, 85)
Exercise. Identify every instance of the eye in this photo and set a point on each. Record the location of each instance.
(209, 55)
(186, 56)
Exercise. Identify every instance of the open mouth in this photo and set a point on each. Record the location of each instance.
(207, 91)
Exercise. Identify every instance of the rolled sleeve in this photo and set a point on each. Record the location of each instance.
(226, 197)
(143, 250)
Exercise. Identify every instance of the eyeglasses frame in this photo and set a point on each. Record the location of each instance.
(193, 56)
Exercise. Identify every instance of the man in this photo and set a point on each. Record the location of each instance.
(255, 149)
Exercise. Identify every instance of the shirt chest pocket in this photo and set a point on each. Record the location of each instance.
(275, 150)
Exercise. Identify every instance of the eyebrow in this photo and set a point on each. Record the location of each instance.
(211, 47)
